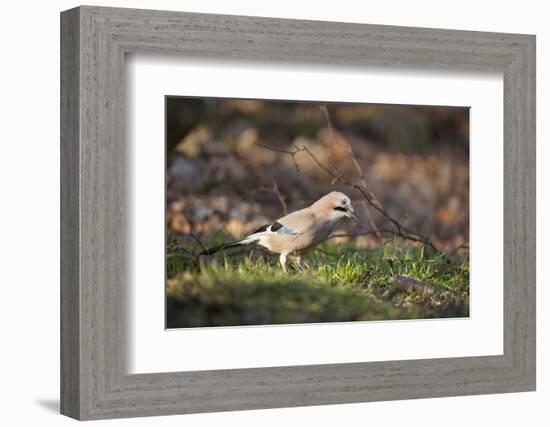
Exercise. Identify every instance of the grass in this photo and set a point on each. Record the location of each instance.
(342, 283)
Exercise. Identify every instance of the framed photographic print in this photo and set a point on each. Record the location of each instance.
(262, 213)
(263, 174)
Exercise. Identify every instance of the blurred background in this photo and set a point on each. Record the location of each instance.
(221, 178)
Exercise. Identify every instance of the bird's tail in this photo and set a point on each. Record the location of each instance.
(213, 250)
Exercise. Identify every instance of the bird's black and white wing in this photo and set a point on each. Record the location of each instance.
(277, 228)
(272, 229)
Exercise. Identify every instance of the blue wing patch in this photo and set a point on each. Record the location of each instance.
(279, 228)
(286, 230)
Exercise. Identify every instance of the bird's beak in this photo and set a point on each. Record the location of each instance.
(350, 212)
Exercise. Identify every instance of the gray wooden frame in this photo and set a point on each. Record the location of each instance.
(94, 382)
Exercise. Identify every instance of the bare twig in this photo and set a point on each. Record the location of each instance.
(358, 168)
(370, 198)
(379, 231)
(362, 233)
(275, 190)
(398, 229)
(196, 239)
(292, 153)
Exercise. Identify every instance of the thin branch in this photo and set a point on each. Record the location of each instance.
(279, 150)
(368, 195)
(379, 231)
(358, 168)
(362, 233)
(196, 239)
(337, 176)
(399, 230)
(273, 190)
(281, 197)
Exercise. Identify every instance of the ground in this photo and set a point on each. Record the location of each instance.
(235, 165)
(341, 282)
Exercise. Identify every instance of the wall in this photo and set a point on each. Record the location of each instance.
(29, 226)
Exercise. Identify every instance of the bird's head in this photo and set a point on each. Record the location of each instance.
(337, 205)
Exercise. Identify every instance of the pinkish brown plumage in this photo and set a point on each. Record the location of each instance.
(300, 231)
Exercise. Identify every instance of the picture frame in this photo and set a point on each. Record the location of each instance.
(94, 381)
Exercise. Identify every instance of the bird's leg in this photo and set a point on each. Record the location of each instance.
(282, 260)
(300, 261)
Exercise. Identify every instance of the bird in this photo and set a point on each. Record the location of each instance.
(300, 231)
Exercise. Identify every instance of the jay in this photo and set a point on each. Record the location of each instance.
(298, 232)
